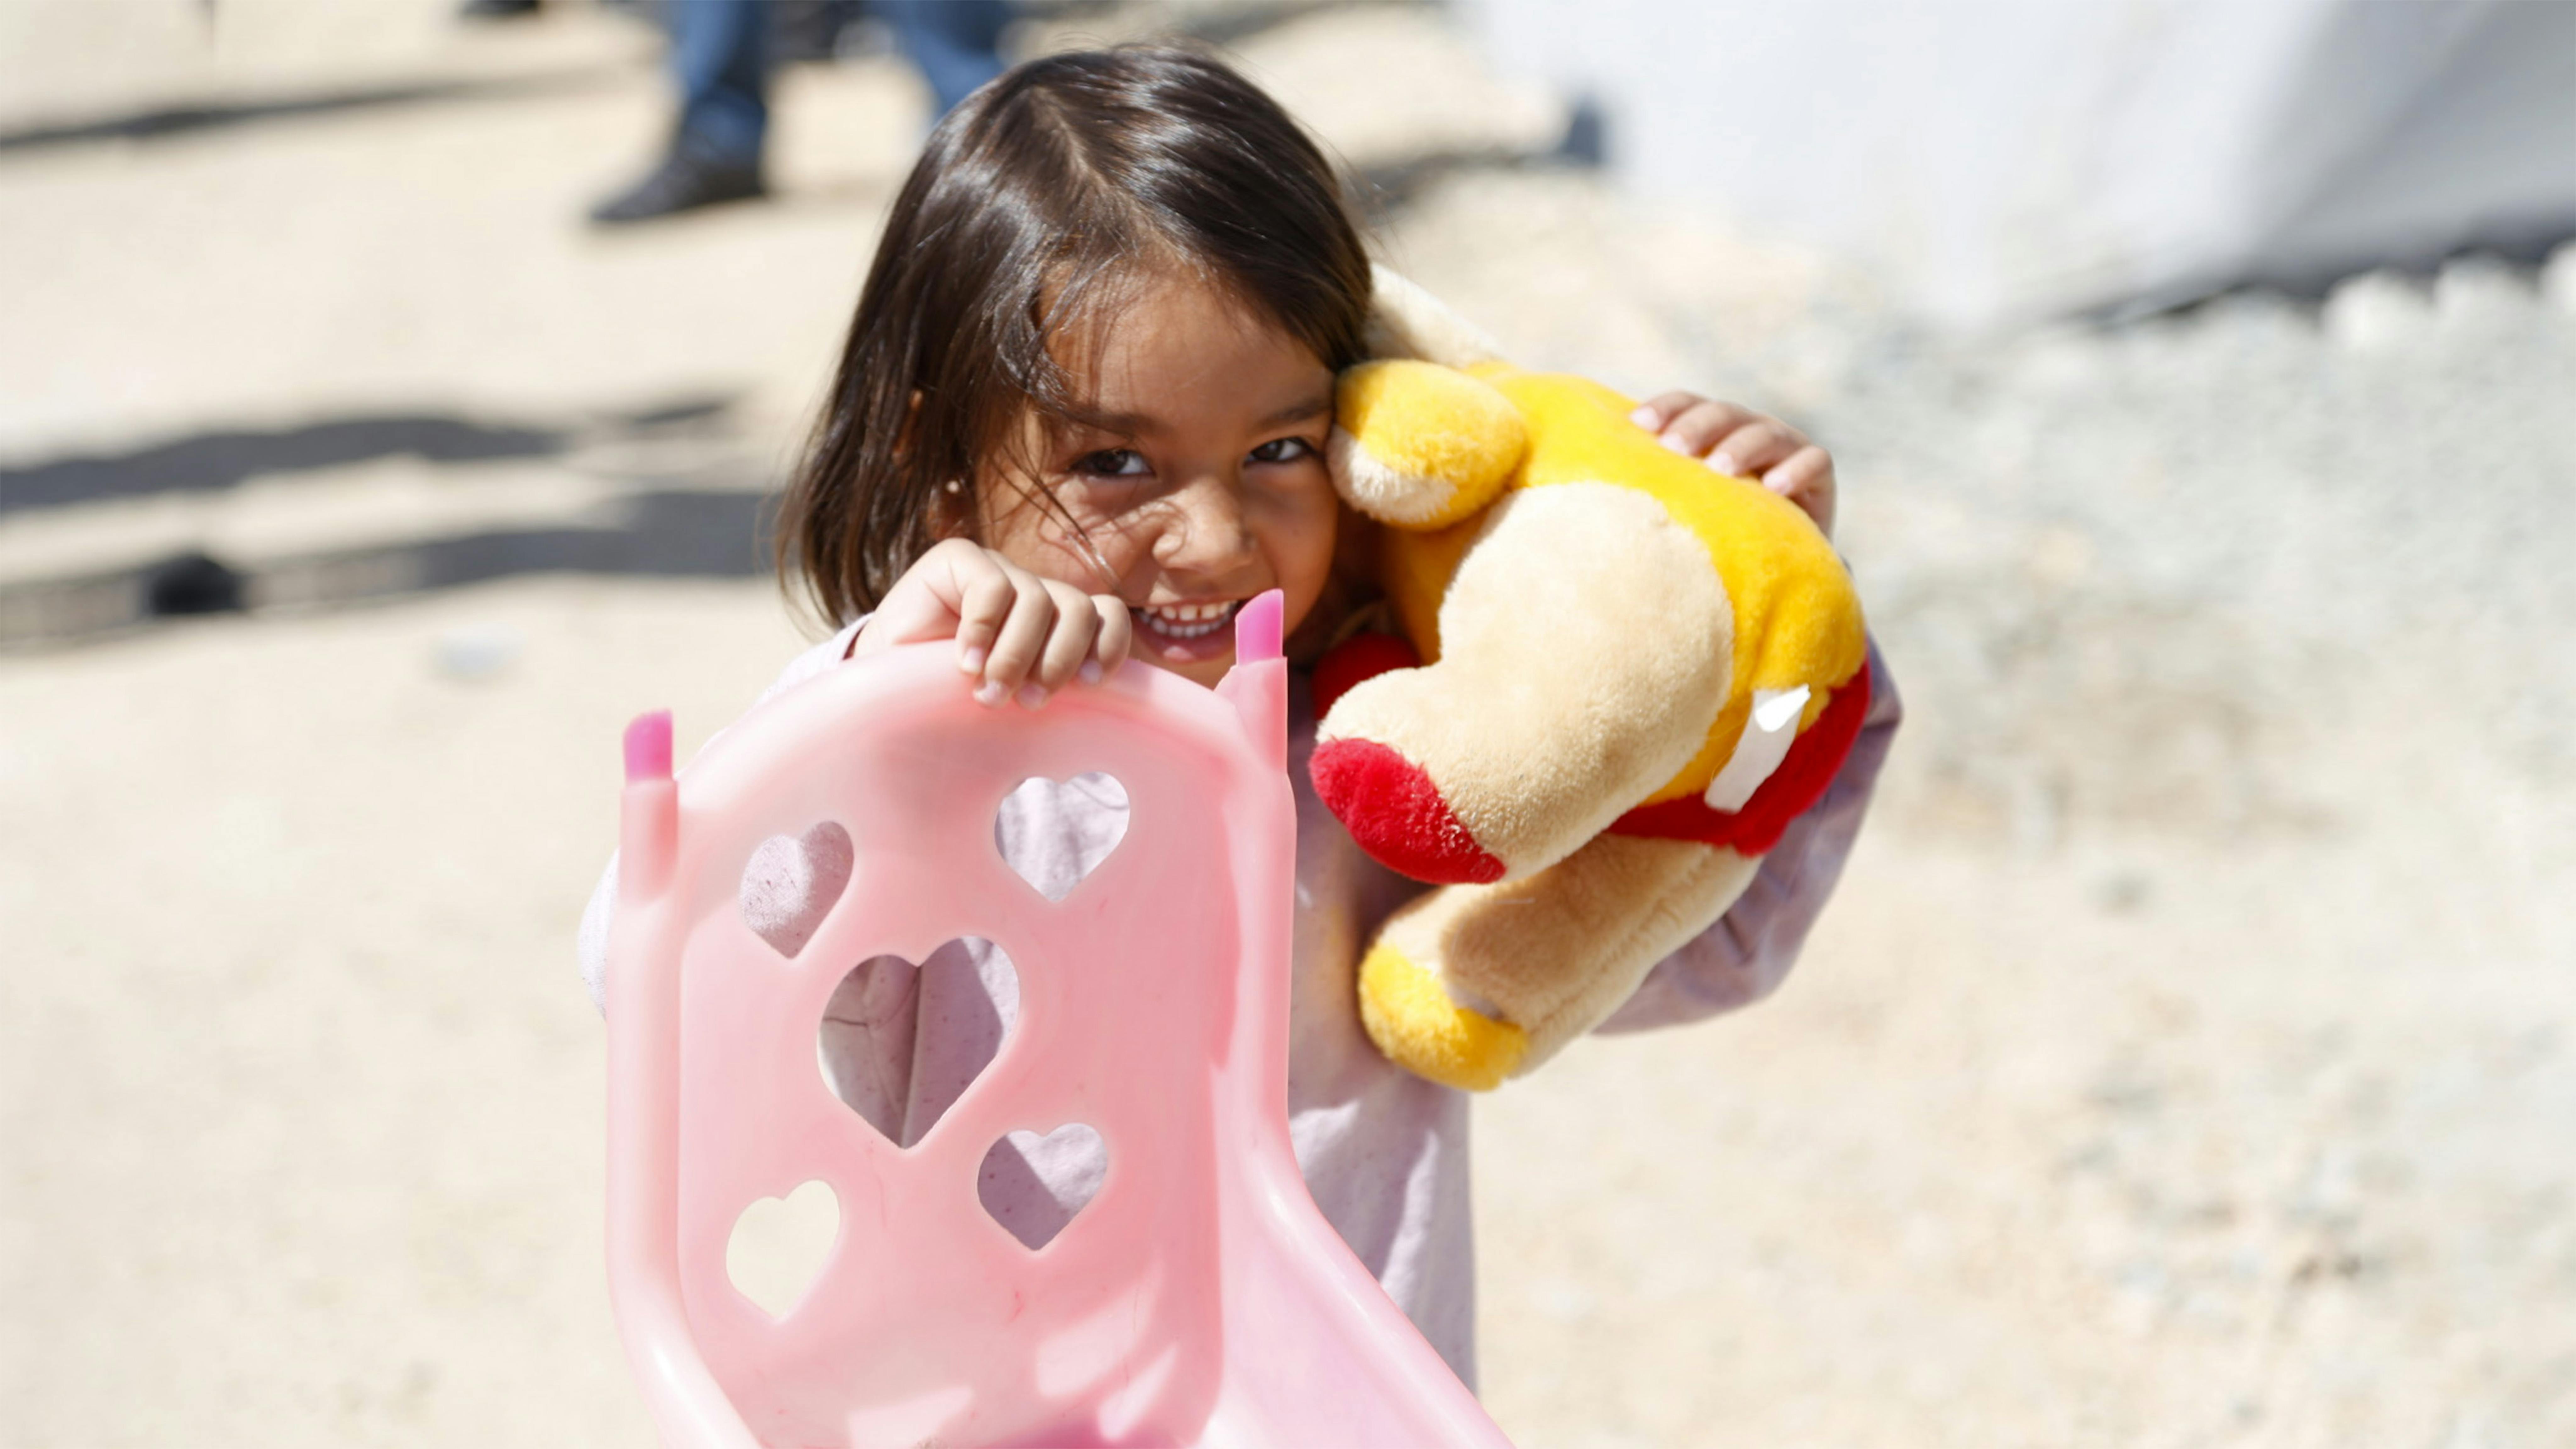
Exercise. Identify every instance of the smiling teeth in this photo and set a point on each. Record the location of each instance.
(1188, 621)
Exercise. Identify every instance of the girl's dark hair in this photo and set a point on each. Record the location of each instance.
(1036, 207)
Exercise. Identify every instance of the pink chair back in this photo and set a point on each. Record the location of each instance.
(1199, 1297)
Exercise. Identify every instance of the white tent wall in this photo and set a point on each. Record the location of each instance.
(1994, 162)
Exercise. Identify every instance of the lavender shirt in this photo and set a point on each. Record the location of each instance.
(1383, 1151)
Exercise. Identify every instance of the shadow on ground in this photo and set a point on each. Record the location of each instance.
(653, 531)
(213, 461)
(167, 122)
(672, 534)
(224, 458)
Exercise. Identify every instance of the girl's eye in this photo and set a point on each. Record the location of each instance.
(1112, 463)
(1283, 450)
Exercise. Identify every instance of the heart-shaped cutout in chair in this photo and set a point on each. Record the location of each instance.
(780, 1244)
(792, 882)
(866, 1042)
(1036, 1186)
(1055, 833)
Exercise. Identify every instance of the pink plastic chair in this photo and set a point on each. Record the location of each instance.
(1200, 1297)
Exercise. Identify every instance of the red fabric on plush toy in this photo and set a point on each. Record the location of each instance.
(1799, 783)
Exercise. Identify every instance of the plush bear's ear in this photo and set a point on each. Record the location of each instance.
(1406, 321)
(1420, 446)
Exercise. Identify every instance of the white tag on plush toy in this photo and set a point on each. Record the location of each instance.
(1767, 737)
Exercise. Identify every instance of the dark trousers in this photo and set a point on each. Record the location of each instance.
(720, 54)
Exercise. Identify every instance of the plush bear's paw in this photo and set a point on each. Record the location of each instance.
(1421, 1028)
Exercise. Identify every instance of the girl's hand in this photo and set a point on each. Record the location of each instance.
(1745, 444)
(1022, 636)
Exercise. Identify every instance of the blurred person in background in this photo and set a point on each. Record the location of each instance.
(722, 53)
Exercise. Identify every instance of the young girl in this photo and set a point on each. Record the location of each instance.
(1082, 414)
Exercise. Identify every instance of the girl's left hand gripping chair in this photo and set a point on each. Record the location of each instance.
(1199, 1298)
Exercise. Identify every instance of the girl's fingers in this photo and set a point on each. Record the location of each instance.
(1117, 635)
(1017, 633)
(924, 604)
(1806, 478)
(981, 594)
(1744, 444)
(1755, 448)
(1017, 648)
(1697, 428)
(1068, 643)
(1657, 412)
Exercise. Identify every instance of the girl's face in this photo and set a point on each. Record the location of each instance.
(1196, 472)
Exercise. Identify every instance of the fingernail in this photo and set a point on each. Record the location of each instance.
(1643, 417)
(1674, 443)
(1031, 696)
(970, 660)
(988, 693)
(1090, 671)
(1724, 464)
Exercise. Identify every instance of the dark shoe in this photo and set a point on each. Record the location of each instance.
(191, 583)
(686, 180)
(495, 9)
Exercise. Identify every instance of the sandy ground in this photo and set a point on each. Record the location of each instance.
(2187, 1062)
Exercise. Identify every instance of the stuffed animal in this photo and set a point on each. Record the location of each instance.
(1621, 674)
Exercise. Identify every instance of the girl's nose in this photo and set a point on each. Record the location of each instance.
(1205, 530)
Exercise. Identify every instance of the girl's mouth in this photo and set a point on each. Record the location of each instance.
(1187, 621)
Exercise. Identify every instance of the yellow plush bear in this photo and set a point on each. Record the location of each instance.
(1634, 672)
